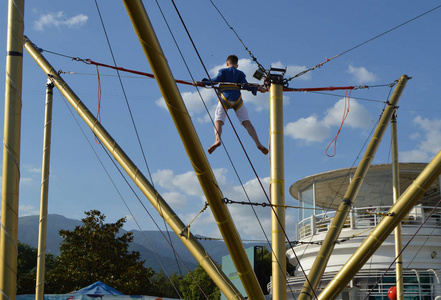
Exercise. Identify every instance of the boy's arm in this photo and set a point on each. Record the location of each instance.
(206, 81)
(252, 88)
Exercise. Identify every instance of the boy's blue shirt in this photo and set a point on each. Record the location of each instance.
(231, 75)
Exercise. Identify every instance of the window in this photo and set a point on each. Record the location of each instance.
(307, 209)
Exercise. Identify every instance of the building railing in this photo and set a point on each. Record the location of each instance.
(366, 217)
(375, 284)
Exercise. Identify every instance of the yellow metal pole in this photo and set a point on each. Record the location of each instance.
(139, 179)
(374, 240)
(158, 63)
(277, 190)
(11, 151)
(41, 259)
(320, 262)
(396, 195)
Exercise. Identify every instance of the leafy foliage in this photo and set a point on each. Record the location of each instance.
(263, 268)
(27, 268)
(95, 251)
(167, 286)
(196, 284)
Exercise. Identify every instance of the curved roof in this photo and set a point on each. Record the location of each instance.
(331, 186)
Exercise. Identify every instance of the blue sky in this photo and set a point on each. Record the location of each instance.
(292, 34)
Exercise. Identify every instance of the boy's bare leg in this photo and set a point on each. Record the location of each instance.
(217, 133)
(252, 132)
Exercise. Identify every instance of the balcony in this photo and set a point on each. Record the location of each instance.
(366, 218)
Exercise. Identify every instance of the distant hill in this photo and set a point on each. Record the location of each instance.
(152, 245)
(28, 231)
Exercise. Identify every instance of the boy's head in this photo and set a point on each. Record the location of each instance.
(232, 61)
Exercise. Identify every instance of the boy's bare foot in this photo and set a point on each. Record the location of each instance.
(213, 147)
(263, 149)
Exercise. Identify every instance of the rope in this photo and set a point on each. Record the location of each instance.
(187, 82)
(131, 115)
(132, 71)
(361, 44)
(263, 204)
(215, 84)
(122, 87)
(356, 98)
(119, 193)
(246, 48)
(188, 226)
(243, 148)
(98, 113)
(312, 68)
(188, 69)
(330, 88)
(298, 89)
(345, 115)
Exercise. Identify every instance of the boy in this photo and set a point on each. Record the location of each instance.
(230, 97)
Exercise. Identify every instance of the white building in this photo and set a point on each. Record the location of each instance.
(319, 196)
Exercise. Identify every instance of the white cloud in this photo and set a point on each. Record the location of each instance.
(415, 136)
(309, 129)
(34, 170)
(129, 218)
(221, 175)
(58, 20)
(186, 183)
(76, 21)
(175, 199)
(163, 178)
(361, 74)
(180, 189)
(432, 128)
(358, 116)
(26, 181)
(427, 139)
(28, 210)
(414, 156)
(312, 129)
(293, 70)
(195, 105)
(245, 218)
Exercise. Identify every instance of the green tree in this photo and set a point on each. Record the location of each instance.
(197, 283)
(96, 251)
(27, 268)
(263, 268)
(167, 286)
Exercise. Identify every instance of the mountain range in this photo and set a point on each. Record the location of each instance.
(153, 247)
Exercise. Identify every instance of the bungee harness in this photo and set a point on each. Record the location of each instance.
(227, 104)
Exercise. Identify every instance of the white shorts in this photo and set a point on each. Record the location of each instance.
(241, 114)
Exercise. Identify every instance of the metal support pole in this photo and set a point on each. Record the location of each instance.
(396, 195)
(41, 259)
(165, 211)
(320, 262)
(175, 104)
(277, 190)
(11, 151)
(380, 233)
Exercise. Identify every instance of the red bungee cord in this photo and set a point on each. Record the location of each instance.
(98, 114)
(345, 115)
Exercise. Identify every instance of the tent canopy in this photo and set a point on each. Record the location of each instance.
(91, 292)
(97, 289)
